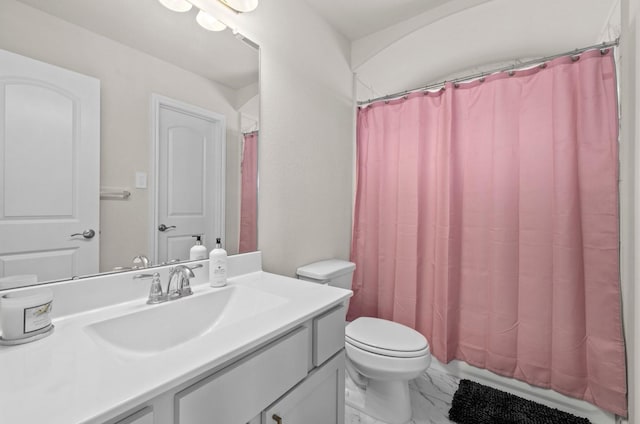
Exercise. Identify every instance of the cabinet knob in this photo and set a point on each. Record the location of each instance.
(277, 418)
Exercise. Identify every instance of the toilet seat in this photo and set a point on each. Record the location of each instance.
(388, 352)
(386, 338)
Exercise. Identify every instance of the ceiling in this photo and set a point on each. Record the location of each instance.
(358, 18)
(175, 37)
(148, 26)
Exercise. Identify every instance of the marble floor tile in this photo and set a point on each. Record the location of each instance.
(431, 396)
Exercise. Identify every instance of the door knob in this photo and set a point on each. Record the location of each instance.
(88, 234)
(163, 227)
(277, 418)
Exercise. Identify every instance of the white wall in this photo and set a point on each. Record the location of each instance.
(305, 153)
(478, 38)
(305, 139)
(629, 195)
(128, 78)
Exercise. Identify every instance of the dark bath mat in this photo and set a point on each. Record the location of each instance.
(474, 403)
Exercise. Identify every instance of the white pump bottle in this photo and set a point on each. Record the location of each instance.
(198, 251)
(218, 266)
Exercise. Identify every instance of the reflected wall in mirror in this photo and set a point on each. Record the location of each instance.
(133, 50)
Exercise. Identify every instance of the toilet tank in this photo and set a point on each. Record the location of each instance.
(334, 272)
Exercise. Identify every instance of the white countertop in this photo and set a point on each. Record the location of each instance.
(69, 377)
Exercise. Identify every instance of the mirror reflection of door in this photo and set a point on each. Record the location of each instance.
(49, 187)
(190, 169)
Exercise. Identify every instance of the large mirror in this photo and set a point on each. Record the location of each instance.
(173, 111)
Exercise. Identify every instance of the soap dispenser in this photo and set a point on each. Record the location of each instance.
(198, 251)
(218, 266)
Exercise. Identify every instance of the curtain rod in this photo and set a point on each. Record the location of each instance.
(602, 45)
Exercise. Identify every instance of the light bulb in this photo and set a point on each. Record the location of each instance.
(208, 22)
(241, 5)
(177, 5)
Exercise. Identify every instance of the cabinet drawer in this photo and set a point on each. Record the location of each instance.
(239, 392)
(328, 334)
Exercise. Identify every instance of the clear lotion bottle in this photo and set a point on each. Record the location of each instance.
(218, 266)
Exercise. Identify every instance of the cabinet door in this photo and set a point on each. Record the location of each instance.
(239, 392)
(319, 399)
(328, 334)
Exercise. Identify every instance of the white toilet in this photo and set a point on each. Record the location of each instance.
(382, 356)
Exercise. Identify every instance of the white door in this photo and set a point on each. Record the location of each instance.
(49, 170)
(190, 178)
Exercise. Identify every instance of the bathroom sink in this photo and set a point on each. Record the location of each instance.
(160, 327)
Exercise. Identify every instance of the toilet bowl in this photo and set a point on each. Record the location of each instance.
(388, 355)
(381, 356)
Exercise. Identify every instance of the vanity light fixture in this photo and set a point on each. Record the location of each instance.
(206, 19)
(177, 5)
(208, 22)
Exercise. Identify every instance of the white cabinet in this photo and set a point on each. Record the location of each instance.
(143, 416)
(328, 334)
(319, 399)
(237, 393)
(297, 377)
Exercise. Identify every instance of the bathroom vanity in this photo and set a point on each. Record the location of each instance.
(264, 349)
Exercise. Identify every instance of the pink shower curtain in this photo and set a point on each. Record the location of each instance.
(249, 195)
(487, 219)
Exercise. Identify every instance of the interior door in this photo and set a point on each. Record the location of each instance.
(190, 175)
(49, 202)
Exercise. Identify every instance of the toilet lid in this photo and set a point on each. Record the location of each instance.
(386, 337)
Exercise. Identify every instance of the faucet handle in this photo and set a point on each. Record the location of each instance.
(155, 292)
(186, 286)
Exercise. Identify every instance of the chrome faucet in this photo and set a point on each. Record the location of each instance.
(181, 274)
(141, 261)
